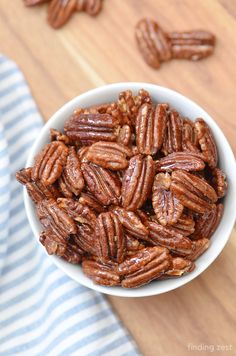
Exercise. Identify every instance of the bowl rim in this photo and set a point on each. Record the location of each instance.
(141, 291)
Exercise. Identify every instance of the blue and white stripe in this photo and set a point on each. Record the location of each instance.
(42, 311)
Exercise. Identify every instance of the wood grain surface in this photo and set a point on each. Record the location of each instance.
(89, 52)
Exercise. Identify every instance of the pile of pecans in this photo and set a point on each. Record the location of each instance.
(130, 189)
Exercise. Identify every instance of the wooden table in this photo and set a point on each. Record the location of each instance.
(90, 52)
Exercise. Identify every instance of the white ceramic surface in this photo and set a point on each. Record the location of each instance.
(227, 162)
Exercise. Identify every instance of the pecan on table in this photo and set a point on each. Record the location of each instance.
(103, 184)
(187, 161)
(167, 207)
(92, 7)
(150, 128)
(173, 135)
(49, 163)
(101, 273)
(206, 142)
(219, 182)
(109, 155)
(193, 192)
(110, 237)
(146, 265)
(137, 182)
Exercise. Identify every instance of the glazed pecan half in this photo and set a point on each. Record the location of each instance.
(206, 224)
(193, 192)
(100, 273)
(110, 155)
(146, 265)
(60, 11)
(152, 42)
(56, 135)
(219, 182)
(150, 128)
(92, 7)
(124, 136)
(189, 137)
(131, 222)
(89, 200)
(200, 246)
(187, 161)
(133, 245)
(110, 237)
(206, 142)
(167, 207)
(24, 175)
(185, 225)
(137, 182)
(49, 163)
(89, 128)
(179, 267)
(103, 184)
(173, 136)
(80, 213)
(167, 237)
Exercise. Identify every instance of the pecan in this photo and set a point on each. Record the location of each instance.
(132, 244)
(86, 239)
(89, 200)
(38, 192)
(56, 135)
(206, 142)
(185, 225)
(143, 267)
(152, 42)
(137, 182)
(80, 213)
(24, 175)
(167, 237)
(92, 7)
(200, 246)
(173, 137)
(71, 181)
(89, 128)
(206, 224)
(187, 161)
(110, 237)
(129, 104)
(167, 207)
(109, 155)
(82, 152)
(103, 184)
(193, 192)
(131, 222)
(219, 182)
(124, 136)
(179, 267)
(100, 273)
(49, 163)
(189, 137)
(150, 128)
(53, 217)
(60, 11)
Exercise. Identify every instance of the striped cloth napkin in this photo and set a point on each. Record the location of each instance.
(42, 311)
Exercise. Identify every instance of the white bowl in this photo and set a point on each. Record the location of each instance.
(187, 108)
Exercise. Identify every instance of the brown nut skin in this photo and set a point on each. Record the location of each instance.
(187, 161)
(167, 207)
(193, 192)
(110, 237)
(24, 175)
(124, 136)
(189, 137)
(91, 7)
(143, 267)
(103, 184)
(179, 267)
(200, 246)
(38, 192)
(173, 136)
(100, 273)
(49, 163)
(185, 225)
(219, 182)
(89, 128)
(206, 142)
(60, 11)
(137, 182)
(110, 155)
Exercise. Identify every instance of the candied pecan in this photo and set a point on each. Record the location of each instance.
(82, 152)
(187, 161)
(150, 127)
(56, 135)
(86, 239)
(82, 214)
(109, 155)
(129, 104)
(179, 267)
(24, 175)
(137, 182)
(131, 222)
(38, 192)
(34, 2)
(167, 207)
(49, 163)
(200, 246)
(59, 12)
(100, 273)
(173, 136)
(166, 236)
(185, 225)
(103, 184)
(89, 128)
(206, 224)
(193, 192)
(124, 136)
(189, 137)
(71, 181)
(132, 244)
(153, 43)
(110, 237)
(93, 203)
(146, 265)
(53, 217)
(206, 142)
(219, 182)
(92, 7)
